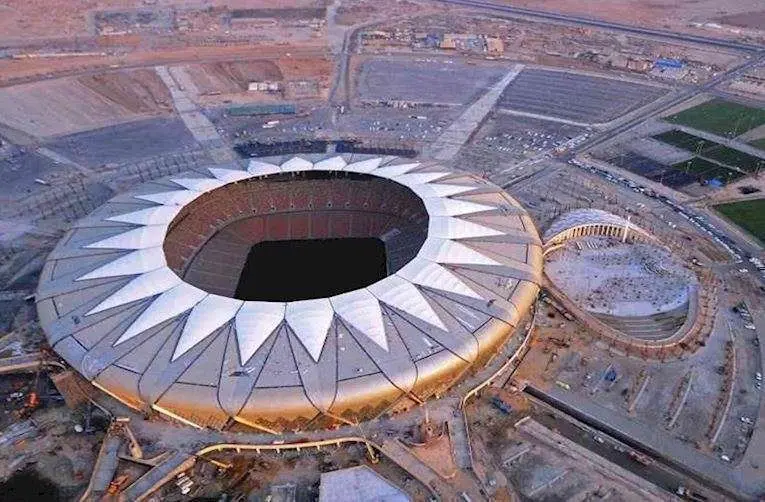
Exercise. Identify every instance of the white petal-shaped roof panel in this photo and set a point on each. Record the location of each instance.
(208, 315)
(258, 168)
(310, 320)
(431, 190)
(158, 215)
(136, 238)
(254, 322)
(296, 164)
(447, 251)
(364, 166)
(361, 310)
(432, 275)
(137, 262)
(393, 171)
(145, 285)
(454, 207)
(199, 184)
(229, 175)
(414, 179)
(172, 198)
(444, 227)
(331, 164)
(401, 294)
(166, 306)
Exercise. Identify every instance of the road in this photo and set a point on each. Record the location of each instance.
(705, 470)
(624, 28)
(662, 105)
(742, 251)
(614, 451)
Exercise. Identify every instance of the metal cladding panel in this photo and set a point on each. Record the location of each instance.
(171, 198)
(206, 317)
(319, 379)
(362, 310)
(229, 175)
(393, 361)
(331, 164)
(196, 403)
(277, 405)
(255, 322)
(113, 308)
(157, 215)
(364, 397)
(136, 262)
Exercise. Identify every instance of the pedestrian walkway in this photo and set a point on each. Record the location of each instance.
(457, 134)
(183, 90)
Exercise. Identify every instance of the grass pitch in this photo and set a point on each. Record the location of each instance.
(748, 214)
(720, 117)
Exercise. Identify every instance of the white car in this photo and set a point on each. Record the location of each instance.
(750, 326)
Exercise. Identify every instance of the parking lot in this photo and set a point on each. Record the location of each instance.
(576, 97)
(446, 81)
(19, 168)
(120, 143)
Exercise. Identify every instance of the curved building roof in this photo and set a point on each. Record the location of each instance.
(115, 303)
(588, 217)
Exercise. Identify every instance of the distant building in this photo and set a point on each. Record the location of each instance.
(665, 63)
(638, 65)
(264, 86)
(495, 45)
(448, 43)
(358, 484)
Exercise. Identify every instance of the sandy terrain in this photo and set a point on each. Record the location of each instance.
(69, 105)
(620, 279)
(28, 19)
(672, 14)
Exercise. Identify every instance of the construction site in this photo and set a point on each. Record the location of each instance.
(355, 251)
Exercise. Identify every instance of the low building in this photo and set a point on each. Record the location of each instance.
(495, 45)
(264, 86)
(358, 484)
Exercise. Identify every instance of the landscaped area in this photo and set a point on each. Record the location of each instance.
(758, 143)
(706, 170)
(713, 151)
(720, 117)
(748, 214)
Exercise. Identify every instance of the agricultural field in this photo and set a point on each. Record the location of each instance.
(758, 143)
(720, 117)
(712, 150)
(748, 214)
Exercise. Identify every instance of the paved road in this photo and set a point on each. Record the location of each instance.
(624, 28)
(664, 104)
(657, 444)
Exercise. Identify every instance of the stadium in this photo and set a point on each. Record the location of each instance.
(300, 292)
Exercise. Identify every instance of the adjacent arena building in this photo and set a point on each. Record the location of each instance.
(301, 292)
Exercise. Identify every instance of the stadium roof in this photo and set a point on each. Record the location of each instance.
(115, 310)
(589, 217)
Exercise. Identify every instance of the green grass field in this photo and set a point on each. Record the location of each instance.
(749, 215)
(759, 143)
(707, 170)
(712, 150)
(724, 118)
